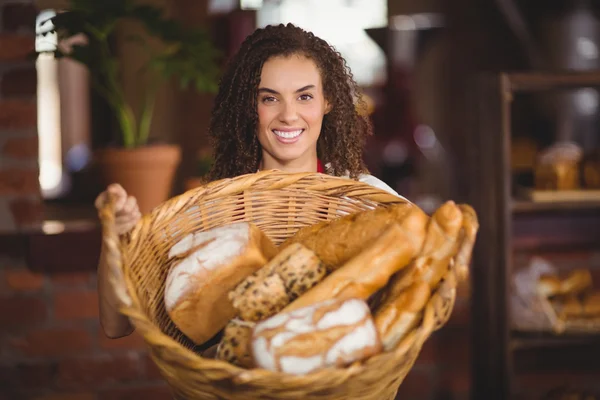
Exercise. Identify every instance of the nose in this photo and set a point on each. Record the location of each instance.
(288, 112)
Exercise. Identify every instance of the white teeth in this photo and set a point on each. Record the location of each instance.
(288, 135)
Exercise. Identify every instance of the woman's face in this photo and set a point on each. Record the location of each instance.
(291, 106)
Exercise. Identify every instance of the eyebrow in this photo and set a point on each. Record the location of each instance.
(302, 89)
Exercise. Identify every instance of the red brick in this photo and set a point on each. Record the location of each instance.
(76, 304)
(16, 47)
(416, 385)
(30, 376)
(53, 342)
(21, 148)
(19, 83)
(18, 17)
(17, 114)
(133, 342)
(67, 396)
(95, 371)
(23, 280)
(19, 181)
(18, 312)
(74, 279)
(27, 212)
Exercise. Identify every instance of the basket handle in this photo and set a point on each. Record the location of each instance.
(112, 247)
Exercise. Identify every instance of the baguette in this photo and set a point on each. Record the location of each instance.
(336, 242)
(397, 316)
(408, 292)
(369, 271)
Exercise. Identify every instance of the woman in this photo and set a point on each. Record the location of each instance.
(287, 101)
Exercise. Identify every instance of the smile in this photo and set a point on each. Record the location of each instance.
(288, 134)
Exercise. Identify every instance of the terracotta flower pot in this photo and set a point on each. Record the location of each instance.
(146, 172)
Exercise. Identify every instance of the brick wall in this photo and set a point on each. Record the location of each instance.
(20, 200)
(52, 346)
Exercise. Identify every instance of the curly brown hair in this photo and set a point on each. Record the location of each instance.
(233, 125)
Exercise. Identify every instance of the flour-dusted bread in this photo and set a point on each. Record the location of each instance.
(292, 272)
(336, 242)
(210, 264)
(329, 334)
(235, 344)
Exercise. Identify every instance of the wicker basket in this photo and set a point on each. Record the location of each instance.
(280, 204)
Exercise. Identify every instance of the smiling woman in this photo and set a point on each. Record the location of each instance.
(286, 101)
(291, 106)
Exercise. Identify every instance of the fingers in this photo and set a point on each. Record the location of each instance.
(120, 195)
(130, 207)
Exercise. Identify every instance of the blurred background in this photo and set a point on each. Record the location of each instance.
(490, 102)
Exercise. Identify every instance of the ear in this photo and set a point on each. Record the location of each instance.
(328, 107)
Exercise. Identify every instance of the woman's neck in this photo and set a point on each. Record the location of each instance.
(308, 164)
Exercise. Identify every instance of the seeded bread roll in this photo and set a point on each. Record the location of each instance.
(329, 334)
(210, 264)
(289, 274)
(235, 344)
(336, 242)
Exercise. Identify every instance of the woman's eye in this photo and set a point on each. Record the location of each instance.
(305, 97)
(268, 99)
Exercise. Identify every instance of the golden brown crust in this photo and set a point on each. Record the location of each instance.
(335, 242)
(235, 344)
(205, 308)
(399, 314)
(367, 272)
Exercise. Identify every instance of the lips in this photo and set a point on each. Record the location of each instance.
(287, 136)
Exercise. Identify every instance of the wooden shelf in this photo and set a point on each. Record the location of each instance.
(528, 206)
(510, 221)
(533, 82)
(544, 340)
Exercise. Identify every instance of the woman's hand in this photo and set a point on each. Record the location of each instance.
(127, 212)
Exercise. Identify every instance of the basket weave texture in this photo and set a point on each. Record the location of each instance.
(280, 204)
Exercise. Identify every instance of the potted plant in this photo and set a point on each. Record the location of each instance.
(145, 169)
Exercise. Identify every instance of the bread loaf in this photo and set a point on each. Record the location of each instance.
(408, 291)
(576, 282)
(336, 242)
(293, 271)
(398, 315)
(211, 263)
(329, 334)
(235, 344)
(591, 305)
(367, 272)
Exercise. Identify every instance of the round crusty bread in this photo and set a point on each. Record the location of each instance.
(328, 334)
(211, 264)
